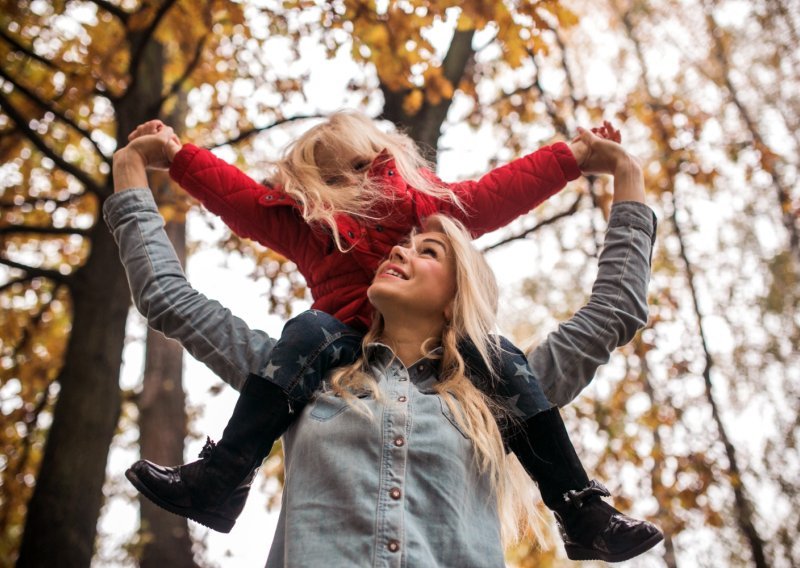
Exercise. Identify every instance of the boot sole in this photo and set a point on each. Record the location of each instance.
(210, 520)
(575, 552)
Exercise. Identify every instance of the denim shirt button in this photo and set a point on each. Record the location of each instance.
(393, 546)
(399, 442)
(402, 399)
(395, 493)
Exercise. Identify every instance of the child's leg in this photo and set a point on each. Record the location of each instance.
(213, 490)
(591, 528)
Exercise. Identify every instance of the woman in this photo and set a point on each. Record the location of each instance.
(398, 486)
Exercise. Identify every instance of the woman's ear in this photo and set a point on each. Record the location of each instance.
(448, 313)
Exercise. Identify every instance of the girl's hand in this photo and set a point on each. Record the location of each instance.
(156, 143)
(600, 151)
(152, 146)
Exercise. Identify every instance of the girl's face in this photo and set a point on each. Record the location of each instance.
(419, 277)
(337, 164)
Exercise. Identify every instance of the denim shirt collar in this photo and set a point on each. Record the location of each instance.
(424, 373)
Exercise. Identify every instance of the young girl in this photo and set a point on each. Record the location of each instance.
(342, 196)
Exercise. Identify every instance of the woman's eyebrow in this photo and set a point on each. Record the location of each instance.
(435, 241)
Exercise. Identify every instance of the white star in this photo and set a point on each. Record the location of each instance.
(512, 404)
(337, 353)
(523, 371)
(301, 360)
(328, 335)
(269, 372)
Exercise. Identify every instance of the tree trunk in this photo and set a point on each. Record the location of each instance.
(62, 514)
(162, 430)
(745, 512)
(61, 524)
(425, 127)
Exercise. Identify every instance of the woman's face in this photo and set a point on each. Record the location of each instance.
(419, 277)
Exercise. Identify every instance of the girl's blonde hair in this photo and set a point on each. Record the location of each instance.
(326, 170)
(474, 319)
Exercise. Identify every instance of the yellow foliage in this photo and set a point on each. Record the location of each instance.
(465, 23)
(376, 36)
(413, 102)
(437, 86)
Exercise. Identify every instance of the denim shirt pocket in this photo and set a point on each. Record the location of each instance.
(328, 406)
(450, 417)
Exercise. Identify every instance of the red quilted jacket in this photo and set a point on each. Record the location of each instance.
(338, 281)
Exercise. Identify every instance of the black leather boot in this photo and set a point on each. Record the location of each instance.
(591, 529)
(213, 489)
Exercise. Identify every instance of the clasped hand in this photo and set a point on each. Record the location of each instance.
(154, 143)
(599, 151)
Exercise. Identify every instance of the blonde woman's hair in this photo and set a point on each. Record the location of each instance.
(473, 319)
(326, 170)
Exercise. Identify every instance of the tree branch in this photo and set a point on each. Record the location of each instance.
(27, 52)
(742, 503)
(782, 192)
(58, 114)
(30, 418)
(244, 135)
(742, 506)
(116, 11)
(549, 221)
(567, 71)
(559, 123)
(37, 200)
(426, 128)
(76, 172)
(458, 54)
(176, 86)
(31, 271)
(139, 41)
(17, 46)
(10, 230)
(10, 283)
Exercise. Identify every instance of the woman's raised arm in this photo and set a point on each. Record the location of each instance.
(617, 308)
(206, 329)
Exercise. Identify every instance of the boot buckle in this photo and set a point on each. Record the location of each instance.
(576, 497)
(208, 447)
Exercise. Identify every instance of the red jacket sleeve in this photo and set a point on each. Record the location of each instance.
(236, 198)
(512, 190)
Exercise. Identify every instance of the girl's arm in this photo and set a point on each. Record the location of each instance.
(228, 193)
(512, 190)
(568, 359)
(241, 202)
(206, 329)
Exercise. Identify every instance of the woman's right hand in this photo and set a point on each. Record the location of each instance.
(156, 143)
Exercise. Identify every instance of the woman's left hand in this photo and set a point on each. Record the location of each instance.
(603, 152)
(156, 143)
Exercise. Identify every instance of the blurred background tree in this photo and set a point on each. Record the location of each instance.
(694, 425)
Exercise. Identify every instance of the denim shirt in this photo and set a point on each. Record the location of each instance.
(399, 489)
(394, 489)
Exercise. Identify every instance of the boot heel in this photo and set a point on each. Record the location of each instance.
(577, 552)
(206, 517)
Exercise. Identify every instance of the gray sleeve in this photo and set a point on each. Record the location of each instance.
(568, 359)
(206, 329)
